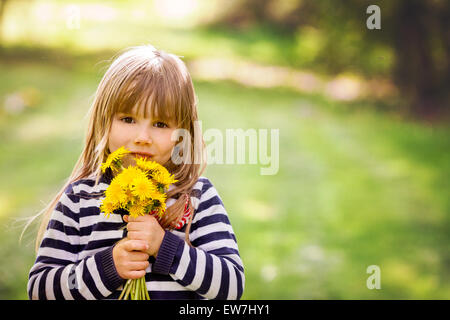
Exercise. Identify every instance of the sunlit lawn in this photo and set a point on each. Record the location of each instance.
(354, 189)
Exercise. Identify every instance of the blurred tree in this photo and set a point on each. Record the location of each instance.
(416, 31)
(421, 39)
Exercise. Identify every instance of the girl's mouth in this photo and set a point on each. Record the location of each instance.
(146, 156)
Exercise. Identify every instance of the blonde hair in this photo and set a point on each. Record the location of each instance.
(141, 76)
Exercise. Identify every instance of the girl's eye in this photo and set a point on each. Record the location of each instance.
(160, 124)
(127, 119)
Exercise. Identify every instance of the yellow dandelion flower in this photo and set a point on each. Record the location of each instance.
(159, 202)
(158, 172)
(161, 209)
(161, 197)
(164, 178)
(131, 199)
(107, 207)
(113, 159)
(127, 176)
(138, 189)
(105, 165)
(146, 202)
(147, 165)
(143, 188)
(115, 194)
(137, 210)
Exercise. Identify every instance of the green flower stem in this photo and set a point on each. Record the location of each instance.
(146, 295)
(127, 290)
(123, 291)
(130, 293)
(136, 289)
(133, 288)
(144, 288)
(139, 292)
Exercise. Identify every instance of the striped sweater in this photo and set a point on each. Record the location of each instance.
(75, 261)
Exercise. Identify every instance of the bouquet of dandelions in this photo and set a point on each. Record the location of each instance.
(139, 190)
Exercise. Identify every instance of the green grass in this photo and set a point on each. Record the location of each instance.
(353, 190)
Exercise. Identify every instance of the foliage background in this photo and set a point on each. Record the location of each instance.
(364, 161)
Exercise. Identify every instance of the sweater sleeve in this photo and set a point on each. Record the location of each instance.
(57, 272)
(212, 267)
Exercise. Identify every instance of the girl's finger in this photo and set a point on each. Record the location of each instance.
(135, 235)
(125, 218)
(138, 265)
(135, 245)
(133, 226)
(139, 256)
(135, 219)
(135, 274)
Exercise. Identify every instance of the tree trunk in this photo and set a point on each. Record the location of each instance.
(415, 71)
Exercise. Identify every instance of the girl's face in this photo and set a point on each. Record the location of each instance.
(144, 137)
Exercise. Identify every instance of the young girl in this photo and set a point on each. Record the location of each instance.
(145, 95)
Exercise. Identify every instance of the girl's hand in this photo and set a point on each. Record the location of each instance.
(129, 261)
(146, 228)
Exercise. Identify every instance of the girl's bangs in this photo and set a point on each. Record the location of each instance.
(148, 95)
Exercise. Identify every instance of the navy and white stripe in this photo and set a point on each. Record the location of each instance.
(75, 260)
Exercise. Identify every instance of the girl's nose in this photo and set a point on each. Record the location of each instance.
(143, 137)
